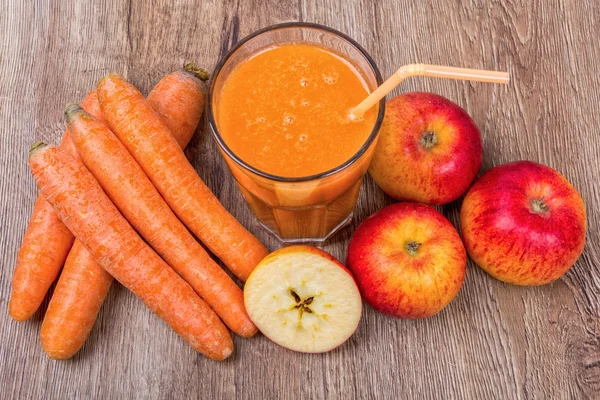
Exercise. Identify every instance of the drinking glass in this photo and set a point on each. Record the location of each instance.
(305, 209)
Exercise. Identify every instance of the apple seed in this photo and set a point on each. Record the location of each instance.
(296, 297)
(302, 304)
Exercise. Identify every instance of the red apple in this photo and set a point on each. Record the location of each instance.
(523, 223)
(408, 260)
(429, 149)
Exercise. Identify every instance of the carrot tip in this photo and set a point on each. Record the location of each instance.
(198, 72)
(108, 76)
(70, 110)
(36, 147)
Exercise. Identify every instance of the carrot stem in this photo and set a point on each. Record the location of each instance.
(199, 72)
(36, 146)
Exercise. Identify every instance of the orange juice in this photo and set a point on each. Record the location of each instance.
(279, 110)
(285, 110)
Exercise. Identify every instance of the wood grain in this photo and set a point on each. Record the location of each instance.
(493, 341)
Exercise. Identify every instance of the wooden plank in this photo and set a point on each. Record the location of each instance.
(493, 341)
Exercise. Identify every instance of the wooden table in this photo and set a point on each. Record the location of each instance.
(493, 341)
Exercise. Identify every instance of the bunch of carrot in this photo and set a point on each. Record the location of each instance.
(117, 199)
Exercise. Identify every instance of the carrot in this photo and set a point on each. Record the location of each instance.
(95, 221)
(82, 286)
(179, 99)
(148, 139)
(135, 196)
(45, 246)
(91, 105)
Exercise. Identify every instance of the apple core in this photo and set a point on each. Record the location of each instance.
(302, 305)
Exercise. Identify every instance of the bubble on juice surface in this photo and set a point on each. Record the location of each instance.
(260, 120)
(262, 151)
(305, 103)
(289, 136)
(288, 119)
(303, 82)
(330, 77)
(301, 143)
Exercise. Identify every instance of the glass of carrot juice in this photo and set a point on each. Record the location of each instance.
(278, 107)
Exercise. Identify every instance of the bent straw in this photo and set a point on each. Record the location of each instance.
(438, 71)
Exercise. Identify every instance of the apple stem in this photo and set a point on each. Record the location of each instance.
(412, 248)
(538, 206)
(429, 139)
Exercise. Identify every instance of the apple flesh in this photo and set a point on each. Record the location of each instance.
(303, 299)
(429, 149)
(523, 223)
(408, 260)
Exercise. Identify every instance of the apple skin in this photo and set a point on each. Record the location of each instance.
(510, 237)
(390, 278)
(407, 169)
(301, 248)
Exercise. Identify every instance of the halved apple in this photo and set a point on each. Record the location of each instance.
(303, 299)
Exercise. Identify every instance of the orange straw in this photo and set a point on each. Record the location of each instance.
(438, 71)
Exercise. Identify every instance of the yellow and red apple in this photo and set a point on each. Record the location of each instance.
(429, 149)
(523, 223)
(408, 260)
(303, 299)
